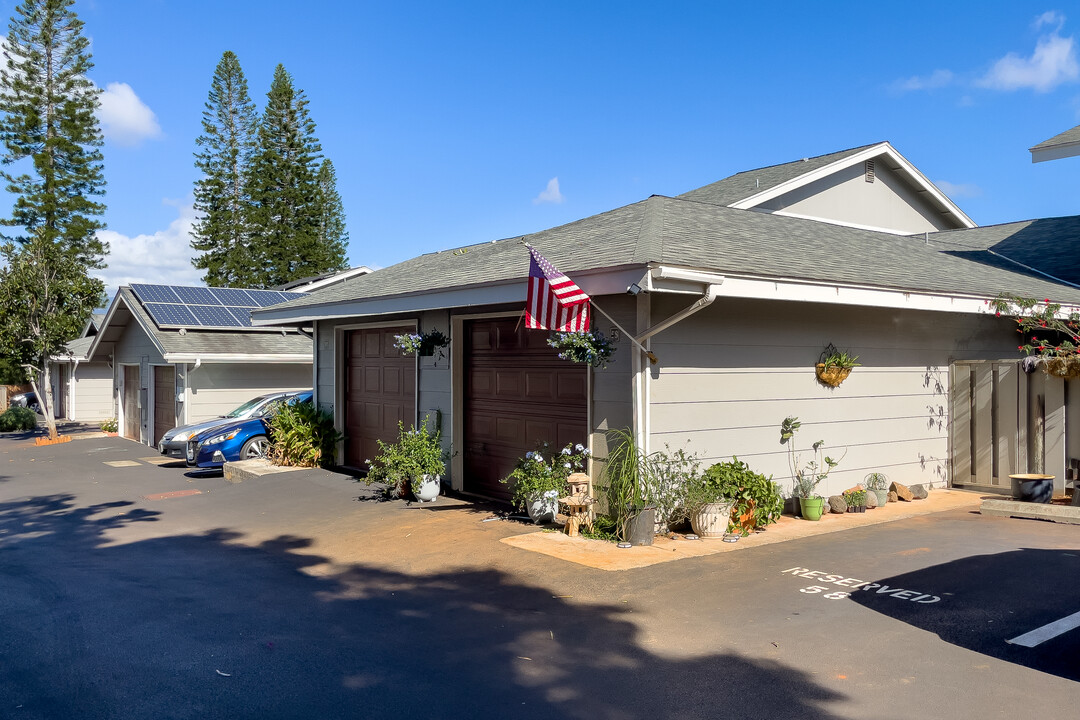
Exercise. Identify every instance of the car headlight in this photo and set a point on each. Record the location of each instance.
(179, 437)
(218, 439)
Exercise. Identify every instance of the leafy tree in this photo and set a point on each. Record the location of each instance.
(48, 107)
(225, 150)
(284, 215)
(333, 237)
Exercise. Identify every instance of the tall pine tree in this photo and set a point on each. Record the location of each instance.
(48, 124)
(333, 238)
(225, 150)
(285, 210)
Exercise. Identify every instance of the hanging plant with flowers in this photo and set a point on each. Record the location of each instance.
(422, 344)
(590, 347)
(1049, 338)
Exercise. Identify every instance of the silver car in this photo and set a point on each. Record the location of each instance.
(174, 442)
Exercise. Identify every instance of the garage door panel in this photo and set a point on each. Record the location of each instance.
(164, 400)
(517, 393)
(380, 391)
(539, 385)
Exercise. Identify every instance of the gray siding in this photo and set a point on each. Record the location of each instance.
(92, 393)
(215, 389)
(730, 374)
(887, 203)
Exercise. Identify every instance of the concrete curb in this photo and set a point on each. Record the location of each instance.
(1034, 511)
(236, 472)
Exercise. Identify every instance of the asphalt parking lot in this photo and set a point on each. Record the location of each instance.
(131, 589)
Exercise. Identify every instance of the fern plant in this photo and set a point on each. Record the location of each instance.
(302, 435)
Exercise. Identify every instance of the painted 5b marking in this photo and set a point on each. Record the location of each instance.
(831, 596)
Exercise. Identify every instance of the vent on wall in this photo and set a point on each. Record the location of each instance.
(870, 170)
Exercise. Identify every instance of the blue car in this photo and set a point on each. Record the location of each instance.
(242, 440)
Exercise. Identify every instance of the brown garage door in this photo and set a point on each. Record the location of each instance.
(517, 393)
(380, 390)
(132, 416)
(164, 404)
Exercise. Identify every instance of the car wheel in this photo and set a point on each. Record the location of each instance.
(254, 448)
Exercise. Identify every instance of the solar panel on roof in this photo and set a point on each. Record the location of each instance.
(233, 297)
(155, 293)
(214, 316)
(170, 314)
(196, 296)
(265, 298)
(243, 316)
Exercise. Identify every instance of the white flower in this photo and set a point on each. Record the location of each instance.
(579, 447)
(566, 465)
(551, 494)
(528, 455)
(566, 450)
(537, 457)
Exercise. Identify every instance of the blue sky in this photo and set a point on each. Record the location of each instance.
(453, 123)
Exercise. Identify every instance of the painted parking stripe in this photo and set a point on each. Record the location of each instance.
(173, 494)
(122, 463)
(158, 460)
(1047, 632)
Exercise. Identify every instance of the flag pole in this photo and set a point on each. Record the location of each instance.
(648, 353)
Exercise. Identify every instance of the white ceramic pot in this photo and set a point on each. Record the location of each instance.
(712, 519)
(542, 509)
(427, 489)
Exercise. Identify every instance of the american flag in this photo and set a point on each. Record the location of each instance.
(554, 301)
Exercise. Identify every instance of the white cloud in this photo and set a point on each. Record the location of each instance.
(955, 190)
(125, 119)
(550, 194)
(1053, 63)
(936, 79)
(163, 257)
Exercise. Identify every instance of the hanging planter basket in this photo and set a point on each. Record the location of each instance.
(831, 375)
(1063, 367)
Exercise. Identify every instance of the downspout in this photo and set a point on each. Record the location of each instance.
(71, 388)
(314, 362)
(711, 293)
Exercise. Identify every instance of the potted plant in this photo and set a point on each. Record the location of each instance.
(590, 346)
(834, 366)
(855, 499)
(416, 462)
(109, 427)
(806, 476)
(730, 496)
(626, 475)
(422, 344)
(539, 479)
(878, 483)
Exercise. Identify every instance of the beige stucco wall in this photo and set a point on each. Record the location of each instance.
(215, 389)
(888, 203)
(729, 375)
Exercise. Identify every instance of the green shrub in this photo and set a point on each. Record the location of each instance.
(302, 435)
(109, 425)
(758, 501)
(17, 419)
(544, 471)
(416, 453)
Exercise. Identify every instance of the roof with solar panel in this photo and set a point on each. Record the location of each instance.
(172, 307)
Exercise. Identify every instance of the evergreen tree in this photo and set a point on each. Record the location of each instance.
(48, 123)
(333, 238)
(225, 150)
(284, 212)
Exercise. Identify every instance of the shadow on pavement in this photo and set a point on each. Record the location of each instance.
(986, 600)
(197, 626)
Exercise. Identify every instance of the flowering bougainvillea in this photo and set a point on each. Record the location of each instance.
(1044, 330)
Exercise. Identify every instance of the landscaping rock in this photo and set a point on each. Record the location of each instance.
(837, 504)
(892, 496)
(855, 488)
(903, 492)
(919, 492)
(871, 500)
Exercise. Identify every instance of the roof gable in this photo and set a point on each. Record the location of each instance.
(1062, 145)
(833, 188)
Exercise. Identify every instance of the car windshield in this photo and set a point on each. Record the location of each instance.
(246, 408)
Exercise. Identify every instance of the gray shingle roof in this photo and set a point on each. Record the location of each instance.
(79, 347)
(219, 342)
(677, 231)
(742, 185)
(1066, 138)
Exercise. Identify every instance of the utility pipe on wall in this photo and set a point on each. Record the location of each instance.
(711, 293)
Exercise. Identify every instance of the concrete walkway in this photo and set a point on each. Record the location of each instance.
(604, 555)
